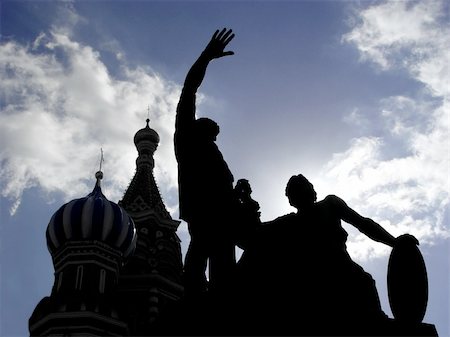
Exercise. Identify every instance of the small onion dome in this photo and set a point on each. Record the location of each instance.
(92, 218)
(146, 134)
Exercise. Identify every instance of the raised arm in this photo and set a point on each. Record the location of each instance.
(367, 226)
(214, 50)
(194, 78)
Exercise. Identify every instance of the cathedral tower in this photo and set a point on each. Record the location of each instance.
(118, 267)
(89, 240)
(151, 281)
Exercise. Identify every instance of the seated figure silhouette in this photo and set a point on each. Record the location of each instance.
(302, 257)
(206, 195)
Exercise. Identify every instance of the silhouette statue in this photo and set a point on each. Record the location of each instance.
(303, 257)
(247, 215)
(295, 276)
(206, 195)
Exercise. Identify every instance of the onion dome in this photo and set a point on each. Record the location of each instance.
(92, 218)
(146, 134)
(146, 141)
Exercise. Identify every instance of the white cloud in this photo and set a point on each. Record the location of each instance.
(60, 104)
(355, 117)
(406, 190)
(402, 33)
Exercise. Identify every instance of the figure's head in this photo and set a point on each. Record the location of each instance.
(243, 187)
(206, 129)
(300, 192)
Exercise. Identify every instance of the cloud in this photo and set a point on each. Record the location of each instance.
(356, 118)
(401, 177)
(60, 104)
(401, 33)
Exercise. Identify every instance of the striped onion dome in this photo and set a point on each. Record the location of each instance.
(92, 218)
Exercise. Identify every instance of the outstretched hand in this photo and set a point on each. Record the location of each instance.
(215, 47)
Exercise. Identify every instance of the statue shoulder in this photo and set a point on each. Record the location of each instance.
(281, 219)
(333, 200)
(278, 223)
(332, 205)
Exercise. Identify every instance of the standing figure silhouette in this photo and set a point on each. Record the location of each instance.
(205, 183)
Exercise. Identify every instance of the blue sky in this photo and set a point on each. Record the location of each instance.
(354, 95)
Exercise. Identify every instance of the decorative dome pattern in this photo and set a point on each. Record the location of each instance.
(92, 218)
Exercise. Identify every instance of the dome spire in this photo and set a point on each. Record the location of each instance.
(101, 159)
(99, 173)
(148, 116)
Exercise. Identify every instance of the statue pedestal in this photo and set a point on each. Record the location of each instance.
(412, 330)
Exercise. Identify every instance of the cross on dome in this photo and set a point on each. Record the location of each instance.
(99, 173)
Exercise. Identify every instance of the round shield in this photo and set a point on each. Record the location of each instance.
(407, 281)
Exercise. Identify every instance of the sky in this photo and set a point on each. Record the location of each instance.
(352, 94)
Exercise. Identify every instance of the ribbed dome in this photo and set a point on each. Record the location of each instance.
(146, 134)
(92, 218)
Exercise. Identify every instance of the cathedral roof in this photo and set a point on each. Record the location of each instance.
(91, 218)
(146, 134)
(143, 193)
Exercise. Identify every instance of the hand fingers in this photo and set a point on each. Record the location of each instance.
(226, 41)
(226, 35)
(219, 37)
(215, 35)
(227, 53)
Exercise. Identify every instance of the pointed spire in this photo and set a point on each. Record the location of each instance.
(99, 173)
(142, 193)
(102, 159)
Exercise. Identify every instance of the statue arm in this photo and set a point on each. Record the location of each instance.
(195, 76)
(367, 226)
